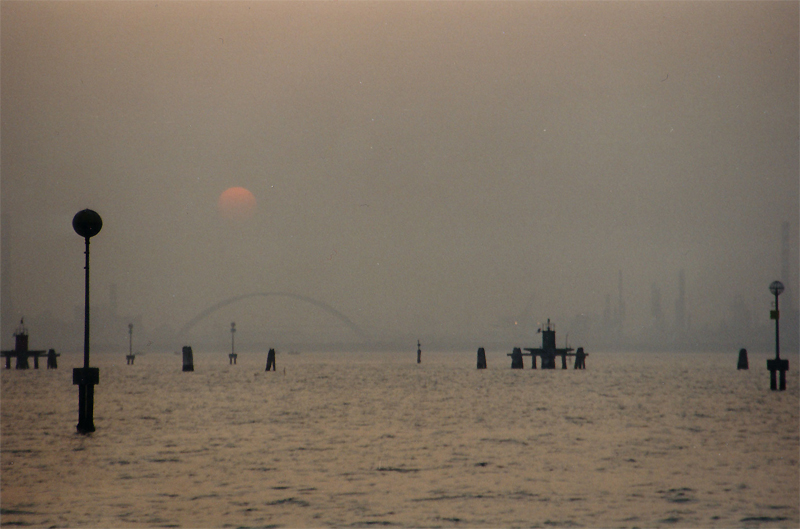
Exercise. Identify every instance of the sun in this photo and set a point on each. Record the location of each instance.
(236, 204)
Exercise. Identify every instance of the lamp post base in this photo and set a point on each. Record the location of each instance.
(775, 366)
(85, 378)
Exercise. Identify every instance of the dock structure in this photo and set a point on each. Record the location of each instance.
(21, 352)
(548, 352)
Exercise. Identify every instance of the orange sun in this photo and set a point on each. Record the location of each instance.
(236, 203)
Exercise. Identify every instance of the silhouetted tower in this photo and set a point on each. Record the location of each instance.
(620, 307)
(787, 278)
(655, 306)
(112, 299)
(607, 312)
(680, 305)
(7, 315)
(21, 344)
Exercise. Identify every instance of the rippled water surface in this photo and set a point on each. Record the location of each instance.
(636, 440)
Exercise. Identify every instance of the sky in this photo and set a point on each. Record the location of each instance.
(424, 169)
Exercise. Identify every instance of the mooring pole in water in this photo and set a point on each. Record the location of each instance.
(130, 357)
(742, 364)
(777, 365)
(516, 358)
(52, 362)
(481, 358)
(580, 359)
(87, 224)
(188, 358)
(419, 353)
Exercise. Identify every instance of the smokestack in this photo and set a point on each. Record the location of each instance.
(7, 315)
(621, 304)
(786, 274)
(680, 304)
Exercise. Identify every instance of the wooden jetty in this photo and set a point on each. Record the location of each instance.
(22, 353)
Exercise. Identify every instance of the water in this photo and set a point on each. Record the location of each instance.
(678, 440)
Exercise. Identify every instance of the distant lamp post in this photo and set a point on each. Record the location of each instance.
(131, 357)
(87, 224)
(232, 356)
(777, 365)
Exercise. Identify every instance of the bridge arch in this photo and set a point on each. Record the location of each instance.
(320, 304)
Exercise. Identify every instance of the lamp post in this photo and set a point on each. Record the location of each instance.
(232, 356)
(777, 365)
(130, 356)
(87, 224)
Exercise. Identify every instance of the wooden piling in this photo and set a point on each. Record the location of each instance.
(580, 359)
(481, 358)
(188, 359)
(742, 364)
(52, 362)
(271, 360)
(516, 359)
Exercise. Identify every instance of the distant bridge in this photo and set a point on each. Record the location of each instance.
(322, 305)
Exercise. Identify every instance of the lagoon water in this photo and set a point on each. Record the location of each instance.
(635, 440)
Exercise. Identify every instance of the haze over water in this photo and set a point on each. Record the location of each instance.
(355, 440)
(430, 170)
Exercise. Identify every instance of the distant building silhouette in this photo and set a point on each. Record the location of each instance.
(680, 306)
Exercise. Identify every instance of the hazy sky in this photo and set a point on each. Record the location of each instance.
(422, 167)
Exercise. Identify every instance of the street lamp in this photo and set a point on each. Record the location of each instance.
(87, 224)
(232, 356)
(130, 357)
(782, 366)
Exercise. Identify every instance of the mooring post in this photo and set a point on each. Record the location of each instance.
(52, 363)
(87, 224)
(742, 364)
(419, 353)
(580, 359)
(130, 356)
(188, 358)
(481, 358)
(271, 360)
(516, 358)
(777, 365)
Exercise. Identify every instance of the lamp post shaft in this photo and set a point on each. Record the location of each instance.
(86, 311)
(777, 331)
